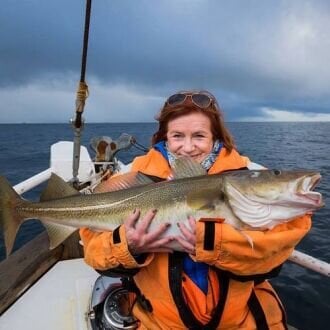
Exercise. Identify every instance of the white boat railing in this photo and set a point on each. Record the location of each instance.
(310, 262)
(33, 182)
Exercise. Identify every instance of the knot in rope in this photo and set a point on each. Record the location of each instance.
(82, 94)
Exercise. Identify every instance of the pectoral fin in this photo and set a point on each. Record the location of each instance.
(248, 238)
(201, 200)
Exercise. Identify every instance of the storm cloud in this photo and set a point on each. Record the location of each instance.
(252, 55)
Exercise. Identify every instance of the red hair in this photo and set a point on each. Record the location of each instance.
(219, 130)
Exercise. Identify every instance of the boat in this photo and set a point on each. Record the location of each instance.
(34, 274)
(54, 289)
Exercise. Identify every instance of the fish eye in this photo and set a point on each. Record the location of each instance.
(277, 172)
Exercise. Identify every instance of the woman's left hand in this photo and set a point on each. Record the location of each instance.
(188, 238)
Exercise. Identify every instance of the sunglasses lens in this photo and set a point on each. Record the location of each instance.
(201, 100)
(176, 99)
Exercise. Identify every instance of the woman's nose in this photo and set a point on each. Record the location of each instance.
(188, 145)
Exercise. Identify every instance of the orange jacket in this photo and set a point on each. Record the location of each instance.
(231, 253)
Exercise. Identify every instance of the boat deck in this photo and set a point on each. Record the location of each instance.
(59, 300)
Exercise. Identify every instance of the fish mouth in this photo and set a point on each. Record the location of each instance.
(307, 185)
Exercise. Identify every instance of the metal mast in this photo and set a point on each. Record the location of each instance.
(82, 94)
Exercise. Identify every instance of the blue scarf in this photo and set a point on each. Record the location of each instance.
(197, 271)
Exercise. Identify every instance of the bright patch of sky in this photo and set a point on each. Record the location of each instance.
(56, 103)
(269, 114)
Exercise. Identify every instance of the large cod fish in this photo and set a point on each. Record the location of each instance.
(246, 199)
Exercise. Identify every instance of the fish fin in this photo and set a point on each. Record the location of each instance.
(57, 188)
(248, 238)
(123, 181)
(10, 221)
(199, 200)
(185, 167)
(57, 233)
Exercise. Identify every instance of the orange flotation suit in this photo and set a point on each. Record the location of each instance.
(239, 295)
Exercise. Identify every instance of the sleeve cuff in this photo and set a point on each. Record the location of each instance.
(121, 251)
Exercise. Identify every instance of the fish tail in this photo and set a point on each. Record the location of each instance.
(10, 220)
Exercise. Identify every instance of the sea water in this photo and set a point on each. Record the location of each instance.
(25, 151)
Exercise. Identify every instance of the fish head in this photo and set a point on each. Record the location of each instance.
(263, 198)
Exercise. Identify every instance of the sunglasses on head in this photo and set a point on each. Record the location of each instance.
(201, 100)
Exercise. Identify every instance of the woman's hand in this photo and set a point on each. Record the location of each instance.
(188, 238)
(139, 240)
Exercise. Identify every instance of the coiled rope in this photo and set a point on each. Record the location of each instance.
(81, 96)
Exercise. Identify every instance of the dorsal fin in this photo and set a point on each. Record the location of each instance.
(185, 167)
(124, 181)
(57, 188)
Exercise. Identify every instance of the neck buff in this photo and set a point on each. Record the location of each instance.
(208, 160)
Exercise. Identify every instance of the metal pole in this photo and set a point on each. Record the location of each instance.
(82, 94)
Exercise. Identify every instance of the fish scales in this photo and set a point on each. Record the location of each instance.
(109, 209)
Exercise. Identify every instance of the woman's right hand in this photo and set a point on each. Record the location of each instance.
(139, 240)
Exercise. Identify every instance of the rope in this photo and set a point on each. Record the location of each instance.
(97, 178)
(139, 146)
(82, 94)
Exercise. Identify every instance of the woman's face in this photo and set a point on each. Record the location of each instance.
(190, 136)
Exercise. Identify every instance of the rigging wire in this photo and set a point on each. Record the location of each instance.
(139, 146)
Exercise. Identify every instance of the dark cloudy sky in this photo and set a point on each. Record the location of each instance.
(264, 60)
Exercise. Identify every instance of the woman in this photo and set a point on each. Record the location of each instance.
(219, 282)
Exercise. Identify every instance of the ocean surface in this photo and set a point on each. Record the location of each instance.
(25, 151)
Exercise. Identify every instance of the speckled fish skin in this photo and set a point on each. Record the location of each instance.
(245, 199)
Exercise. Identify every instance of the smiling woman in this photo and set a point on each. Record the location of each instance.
(198, 286)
